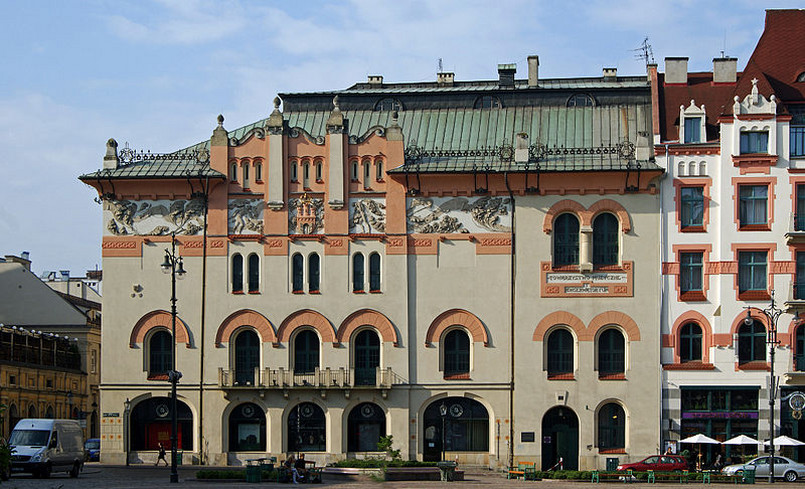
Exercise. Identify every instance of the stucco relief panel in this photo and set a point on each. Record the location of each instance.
(306, 216)
(245, 216)
(459, 215)
(367, 216)
(153, 217)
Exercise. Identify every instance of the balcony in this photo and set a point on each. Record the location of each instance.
(796, 229)
(344, 379)
(796, 297)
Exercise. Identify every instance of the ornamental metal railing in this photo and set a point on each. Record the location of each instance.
(326, 378)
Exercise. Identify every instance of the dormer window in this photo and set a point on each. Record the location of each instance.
(754, 142)
(487, 102)
(691, 124)
(388, 105)
(693, 129)
(580, 100)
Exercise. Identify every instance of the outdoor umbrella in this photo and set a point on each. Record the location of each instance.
(742, 440)
(700, 439)
(785, 441)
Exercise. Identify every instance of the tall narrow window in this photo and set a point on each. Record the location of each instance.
(752, 205)
(379, 170)
(799, 216)
(374, 272)
(357, 272)
(751, 271)
(306, 175)
(560, 353)
(247, 357)
(799, 352)
(799, 277)
(690, 272)
(611, 353)
(159, 354)
(456, 353)
(566, 240)
(367, 357)
(237, 273)
(797, 130)
(258, 172)
(318, 171)
(754, 142)
(751, 342)
(294, 172)
(692, 209)
(605, 240)
(693, 133)
(354, 173)
(313, 273)
(306, 352)
(233, 172)
(254, 273)
(297, 273)
(690, 343)
(366, 182)
(246, 175)
(611, 427)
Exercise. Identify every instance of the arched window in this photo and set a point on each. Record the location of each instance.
(247, 357)
(160, 348)
(49, 412)
(560, 352)
(318, 171)
(297, 273)
(365, 425)
(388, 105)
(237, 273)
(465, 424)
(580, 100)
(366, 182)
(566, 240)
(357, 272)
(246, 175)
(294, 172)
(799, 349)
(306, 175)
(487, 102)
(681, 170)
(32, 411)
(702, 168)
(379, 170)
(692, 168)
(307, 428)
(150, 423)
(367, 357)
(605, 240)
(233, 172)
(456, 353)
(751, 342)
(690, 343)
(306, 352)
(354, 172)
(247, 429)
(258, 172)
(313, 273)
(254, 273)
(374, 272)
(611, 353)
(611, 427)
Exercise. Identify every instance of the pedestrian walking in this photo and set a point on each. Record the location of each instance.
(161, 455)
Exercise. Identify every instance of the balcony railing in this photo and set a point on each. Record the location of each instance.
(327, 378)
(796, 228)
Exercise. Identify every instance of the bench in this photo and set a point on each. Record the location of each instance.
(599, 475)
(708, 477)
(525, 471)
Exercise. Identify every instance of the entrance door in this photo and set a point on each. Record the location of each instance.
(560, 439)
(367, 357)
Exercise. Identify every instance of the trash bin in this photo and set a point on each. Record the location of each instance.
(253, 473)
(612, 464)
(749, 476)
(179, 458)
(447, 470)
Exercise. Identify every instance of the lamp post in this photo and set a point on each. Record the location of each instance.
(443, 412)
(772, 314)
(127, 426)
(173, 266)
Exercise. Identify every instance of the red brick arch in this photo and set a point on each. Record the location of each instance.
(756, 314)
(158, 319)
(614, 317)
(565, 205)
(245, 317)
(559, 317)
(456, 317)
(367, 317)
(707, 333)
(609, 205)
(306, 317)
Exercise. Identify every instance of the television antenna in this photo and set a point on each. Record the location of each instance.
(645, 52)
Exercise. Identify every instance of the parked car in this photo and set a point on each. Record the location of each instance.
(784, 468)
(92, 447)
(43, 446)
(657, 463)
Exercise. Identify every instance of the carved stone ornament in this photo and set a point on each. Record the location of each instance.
(367, 216)
(153, 217)
(306, 215)
(245, 216)
(459, 215)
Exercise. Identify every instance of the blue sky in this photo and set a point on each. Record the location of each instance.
(156, 73)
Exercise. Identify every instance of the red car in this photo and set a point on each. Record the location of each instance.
(657, 463)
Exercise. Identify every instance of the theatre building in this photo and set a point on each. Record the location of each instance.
(469, 266)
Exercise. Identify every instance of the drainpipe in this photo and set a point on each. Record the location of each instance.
(663, 297)
(201, 455)
(513, 274)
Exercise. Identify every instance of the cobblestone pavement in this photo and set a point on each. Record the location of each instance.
(97, 476)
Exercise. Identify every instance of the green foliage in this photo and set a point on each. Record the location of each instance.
(386, 444)
(5, 449)
(376, 463)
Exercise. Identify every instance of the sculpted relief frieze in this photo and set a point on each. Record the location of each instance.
(245, 216)
(153, 217)
(306, 216)
(459, 215)
(367, 216)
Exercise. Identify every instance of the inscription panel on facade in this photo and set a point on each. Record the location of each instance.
(617, 283)
(446, 215)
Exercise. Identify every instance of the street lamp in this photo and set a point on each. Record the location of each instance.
(127, 426)
(443, 412)
(772, 314)
(173, 265)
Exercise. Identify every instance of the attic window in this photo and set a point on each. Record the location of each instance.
(580, 100)
(388, 105)
(801, 77)
(487, 102)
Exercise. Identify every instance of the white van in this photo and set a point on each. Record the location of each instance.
(43, 446)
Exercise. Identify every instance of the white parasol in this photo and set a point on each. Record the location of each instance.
(700, 439)
(742, 440)
(785, 441)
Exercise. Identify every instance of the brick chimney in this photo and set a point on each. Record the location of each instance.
(445, 79)
(533, 70)
(676, 70)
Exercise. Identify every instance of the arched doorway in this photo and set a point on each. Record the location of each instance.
(560, 438)
(365, 425)
(461, 423)
(367, 357)
(151, 425)
(307, 428)
(247, 429)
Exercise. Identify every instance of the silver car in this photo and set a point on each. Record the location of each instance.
(784, 468)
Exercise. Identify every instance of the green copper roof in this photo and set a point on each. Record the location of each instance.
(156, 168)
